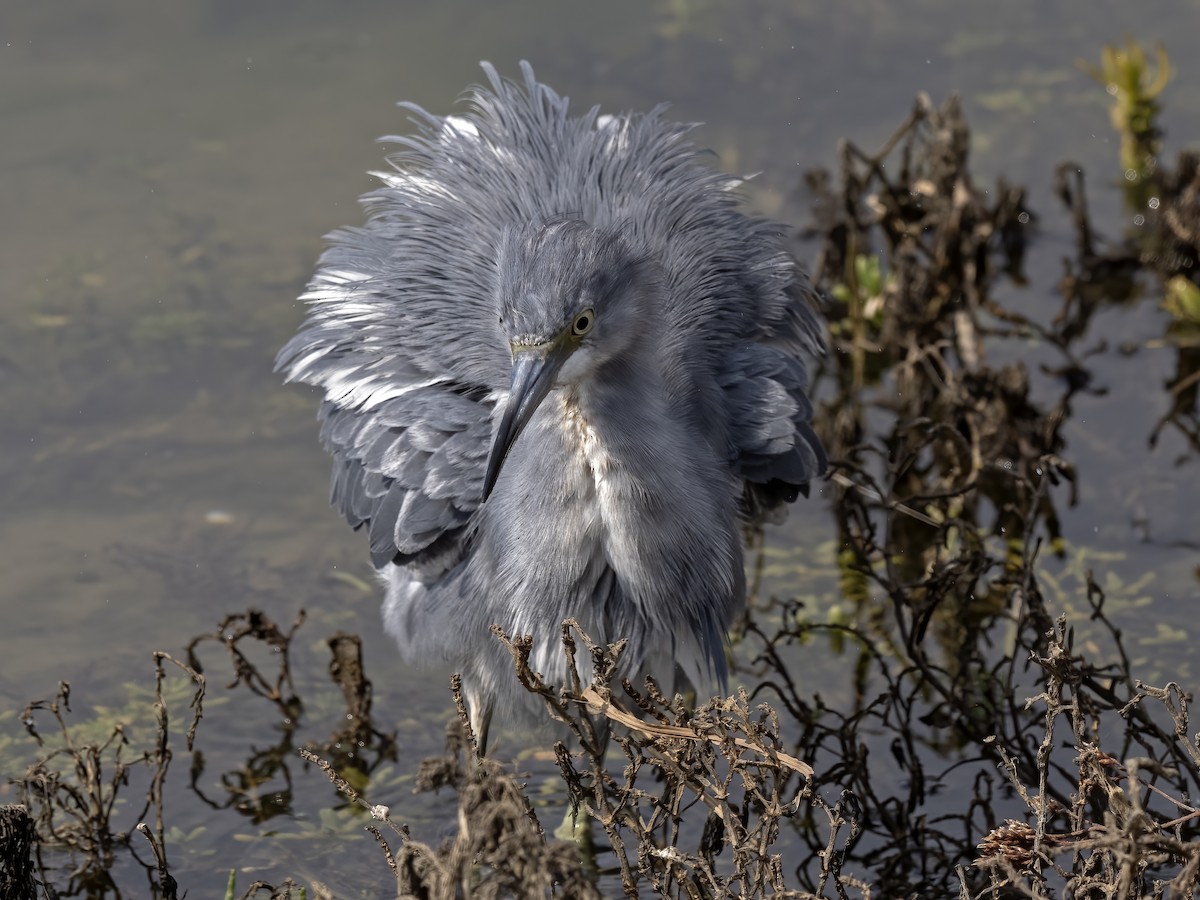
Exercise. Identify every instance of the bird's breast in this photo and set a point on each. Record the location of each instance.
(607, 472)
(612, 498)
(585, 443)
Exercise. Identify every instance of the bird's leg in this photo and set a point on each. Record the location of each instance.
(576, 825)
(479, 715)
(475, 712)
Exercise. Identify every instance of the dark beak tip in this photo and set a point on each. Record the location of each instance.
(532, 379)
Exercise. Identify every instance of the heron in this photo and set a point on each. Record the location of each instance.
(563, 370)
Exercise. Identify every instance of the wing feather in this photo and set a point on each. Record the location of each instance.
(412, 471)
(774, 447)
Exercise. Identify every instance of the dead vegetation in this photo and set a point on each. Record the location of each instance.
(71, 792)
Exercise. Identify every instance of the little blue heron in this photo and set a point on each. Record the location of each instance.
(562, 371)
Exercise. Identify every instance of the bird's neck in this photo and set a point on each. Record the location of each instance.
(611, 485)
(624, 412)
(662, 497)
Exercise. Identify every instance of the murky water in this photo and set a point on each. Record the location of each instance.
(166, 173)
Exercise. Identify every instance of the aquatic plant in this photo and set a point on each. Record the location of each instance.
(1134, 86)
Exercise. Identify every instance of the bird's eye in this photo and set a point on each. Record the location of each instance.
(583, 322)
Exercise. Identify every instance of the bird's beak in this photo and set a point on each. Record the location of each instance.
(533, 373)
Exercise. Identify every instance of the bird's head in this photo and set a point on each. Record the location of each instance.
(571, 299)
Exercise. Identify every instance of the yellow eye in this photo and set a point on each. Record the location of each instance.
(583, 322)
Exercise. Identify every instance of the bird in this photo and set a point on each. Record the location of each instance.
(563, 371)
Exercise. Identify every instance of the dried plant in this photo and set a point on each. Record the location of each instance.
(724, 760)
(1128, 831)
(255, 626)
(72, 790)
(500, 850)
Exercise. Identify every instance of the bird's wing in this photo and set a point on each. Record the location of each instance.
(775, 450)
(739, 307)
(411, 471)
(409, 446)
(401, 336)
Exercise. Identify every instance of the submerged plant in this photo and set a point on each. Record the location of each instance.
(1182, 301)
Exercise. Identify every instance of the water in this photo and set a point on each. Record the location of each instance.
(165, 176)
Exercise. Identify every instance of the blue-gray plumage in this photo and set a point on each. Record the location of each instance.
(562, 370)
